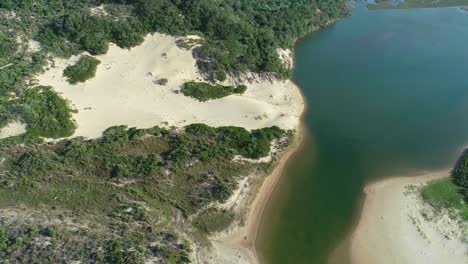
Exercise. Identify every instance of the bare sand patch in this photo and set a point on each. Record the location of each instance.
(14, 128)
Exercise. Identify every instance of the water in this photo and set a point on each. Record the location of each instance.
(387, 94)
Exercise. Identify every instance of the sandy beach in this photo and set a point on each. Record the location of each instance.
(125, 91)
(392, 228)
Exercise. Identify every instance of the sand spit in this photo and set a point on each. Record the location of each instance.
(125, 91)
(392, 228)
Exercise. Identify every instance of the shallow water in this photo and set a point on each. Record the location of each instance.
(387, 94)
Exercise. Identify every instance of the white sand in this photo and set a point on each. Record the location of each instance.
(123, 93)
(14, 128)
(393, 230)
(34, 46)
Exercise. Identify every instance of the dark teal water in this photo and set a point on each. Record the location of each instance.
(387, 94)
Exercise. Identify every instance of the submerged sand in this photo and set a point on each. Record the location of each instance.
(125, 91)
(392, 228)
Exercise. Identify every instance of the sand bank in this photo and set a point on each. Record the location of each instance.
(125, 91)
(392, 228)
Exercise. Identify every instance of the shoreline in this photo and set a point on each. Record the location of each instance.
(235, 241)
(392, 229)
(237, 244)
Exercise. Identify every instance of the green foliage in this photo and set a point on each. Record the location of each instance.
(205, 91)
(45, 113)
(460, 173)
(444, 194)
(200, 160)
(50, 232)
(82, 71)
(78, 175)
(213, 220)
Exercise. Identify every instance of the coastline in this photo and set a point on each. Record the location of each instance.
(393, 229)
(237, 244)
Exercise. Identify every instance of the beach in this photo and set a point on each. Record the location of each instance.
(392, 227)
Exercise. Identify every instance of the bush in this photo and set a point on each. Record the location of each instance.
(205, 91)
(46, 113)
(444, 194)
(213, 220)
(82, 71)
(460, 172)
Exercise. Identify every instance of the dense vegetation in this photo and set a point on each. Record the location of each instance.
(460, 174)
(84, 69)
(128, 182)
(205, 91)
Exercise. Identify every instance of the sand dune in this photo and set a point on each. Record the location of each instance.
(124, 93)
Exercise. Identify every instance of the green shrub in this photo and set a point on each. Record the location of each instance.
(444, 194)
(213, 220)
(205, 91)
(460, 173)
(46, 113)
(82, 71)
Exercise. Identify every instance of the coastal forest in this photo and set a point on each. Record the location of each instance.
(132, 195)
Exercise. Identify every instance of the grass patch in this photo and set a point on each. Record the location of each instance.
(205, 91)
(444, 194)
(82, 71)
(213, 220)
(381, 5)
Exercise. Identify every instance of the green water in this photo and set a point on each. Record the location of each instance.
(387, 94)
